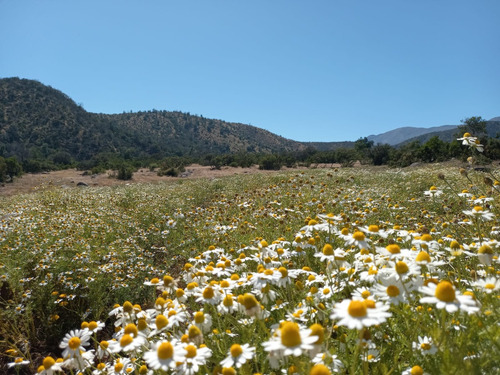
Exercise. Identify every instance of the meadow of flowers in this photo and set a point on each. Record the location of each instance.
(356, 270)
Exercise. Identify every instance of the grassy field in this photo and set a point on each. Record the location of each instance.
(352, 270)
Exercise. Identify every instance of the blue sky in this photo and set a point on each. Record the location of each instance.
(319, 70)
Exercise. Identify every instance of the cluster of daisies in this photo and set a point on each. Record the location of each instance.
(287, 304)
(381, 284)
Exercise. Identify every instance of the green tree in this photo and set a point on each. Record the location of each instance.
(474, 125)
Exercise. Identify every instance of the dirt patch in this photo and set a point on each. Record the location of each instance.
(30, 182)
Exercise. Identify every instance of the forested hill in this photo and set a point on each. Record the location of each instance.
(38, 121)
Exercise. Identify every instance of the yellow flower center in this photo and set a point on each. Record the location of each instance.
(393, 249)
(426, 237)
(128, 307)
(118, 367)
(160, 301)
(236, 350)
(225, 284)
(126, 340)
(283, 271)
(365, 294)
(142, 324)
(131, 329)
(193, 332)
(423, 257)
(74, 343)
(320, 369)
(490, 286)
(425, 346)
(392, 291)
(373, 228)
(161, 321)
(445, 292)
(92, 325)
(143, 370)
(485, 249)
(167, 280)
(328, 249)
(48, 362)
(155, 280)
(358, 236)
(416, 370)
(467, 135)
(401, 267)
(290, 334)
(199, 317)
(165, 350)
(191, 351)
(357, 309)
(208, 293)
(317, 330)
(228, 300)
(249, 301)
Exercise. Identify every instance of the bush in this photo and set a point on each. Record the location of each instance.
(270, 162)
(125, 172)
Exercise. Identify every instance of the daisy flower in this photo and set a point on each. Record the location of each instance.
(433, 192)
(238, 355)
(164, 355)
(202, 320)
(74, 342)
(415, 370)
(49, 366)
(471, 142)
(425, 345)
(18, 362)
(360, 313)
(194, 357)
(480, 213)
(392, 290)
(209, 295)
(488, 285)
(290, 339)
(130, 340)
(446, 297)
(334, 364)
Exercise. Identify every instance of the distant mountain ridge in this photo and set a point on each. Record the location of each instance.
(400, 135)
(40, 122)
(37, 121)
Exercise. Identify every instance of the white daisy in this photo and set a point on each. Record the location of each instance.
(290, 339)
(74, 342)
(425, 345)
(488, 285)
(360, 313)
(445, 296)
(164, 355)
(194, 357)
(238, 355)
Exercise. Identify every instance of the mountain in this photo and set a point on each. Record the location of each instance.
(38, 121)
(400, 135)
(492, 130)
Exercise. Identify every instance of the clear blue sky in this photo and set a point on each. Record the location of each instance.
(319, 70)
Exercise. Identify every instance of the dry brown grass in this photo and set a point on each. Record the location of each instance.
(69, 178)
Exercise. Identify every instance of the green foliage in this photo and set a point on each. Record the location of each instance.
(474, 125)
(125, 172)
(9, 168)
(270, 162)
